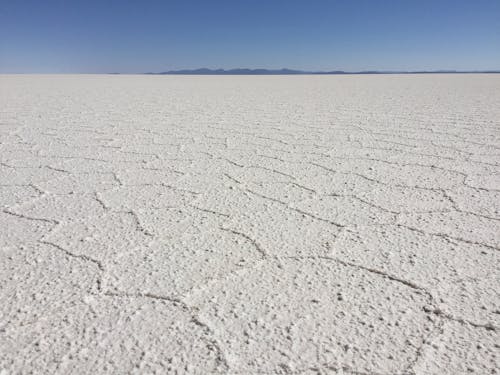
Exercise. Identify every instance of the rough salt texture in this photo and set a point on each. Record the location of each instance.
(250, 225)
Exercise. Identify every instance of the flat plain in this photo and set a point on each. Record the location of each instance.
(250, 225)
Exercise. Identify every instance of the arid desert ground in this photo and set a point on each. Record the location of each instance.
(250, 225)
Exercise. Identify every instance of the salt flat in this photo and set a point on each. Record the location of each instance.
(250, 225)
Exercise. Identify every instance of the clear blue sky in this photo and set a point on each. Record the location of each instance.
(140, 36)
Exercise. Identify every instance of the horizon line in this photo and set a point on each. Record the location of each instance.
(287, 71)
(263, 71)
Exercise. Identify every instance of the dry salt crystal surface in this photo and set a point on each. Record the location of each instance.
(250, 224)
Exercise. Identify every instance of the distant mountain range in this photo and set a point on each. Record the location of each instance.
(245, 71)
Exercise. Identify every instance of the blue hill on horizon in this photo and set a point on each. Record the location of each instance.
(285, 71)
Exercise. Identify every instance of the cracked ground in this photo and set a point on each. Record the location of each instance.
(250, 225)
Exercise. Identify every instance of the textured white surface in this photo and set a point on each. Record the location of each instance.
(250, 225)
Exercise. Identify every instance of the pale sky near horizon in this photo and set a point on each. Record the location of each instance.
(151, 36)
